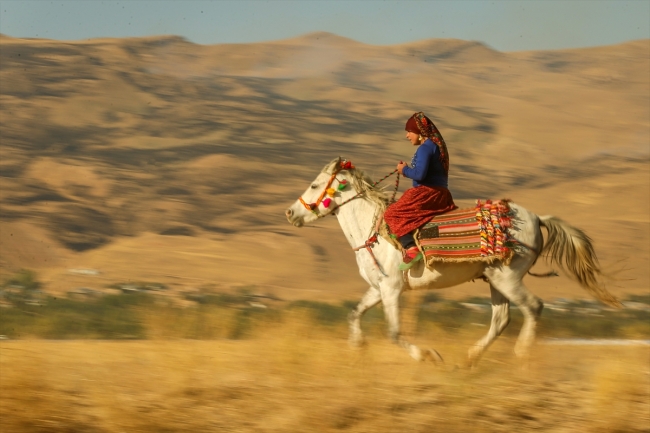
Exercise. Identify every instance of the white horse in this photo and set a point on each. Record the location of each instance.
(566, 246)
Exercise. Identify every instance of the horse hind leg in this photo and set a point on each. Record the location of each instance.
(531, 308)
(371, 298)
(500, 320)
(530, 305)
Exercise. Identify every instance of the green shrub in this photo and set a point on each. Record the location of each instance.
(140, 315)
(108, 317)
(24, 279)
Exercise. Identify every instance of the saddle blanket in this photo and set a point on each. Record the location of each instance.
(462, 235)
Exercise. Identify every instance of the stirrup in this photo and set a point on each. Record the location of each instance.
(409, 261)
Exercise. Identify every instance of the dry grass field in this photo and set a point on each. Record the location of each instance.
(296, 379)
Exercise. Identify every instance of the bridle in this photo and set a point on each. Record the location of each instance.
(329, 191)
(313, 207)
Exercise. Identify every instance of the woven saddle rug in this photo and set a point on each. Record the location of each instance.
(478, 234)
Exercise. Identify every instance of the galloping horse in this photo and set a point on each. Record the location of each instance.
(359, 207)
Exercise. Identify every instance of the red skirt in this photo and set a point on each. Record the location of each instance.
(416, 207)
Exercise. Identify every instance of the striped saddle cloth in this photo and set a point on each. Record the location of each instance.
(467, 235)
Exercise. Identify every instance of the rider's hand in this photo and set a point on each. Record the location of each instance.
(400, 167)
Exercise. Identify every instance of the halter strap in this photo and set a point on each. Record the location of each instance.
(312, 207)
(345, 165)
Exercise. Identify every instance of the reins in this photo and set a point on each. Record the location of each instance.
(392, 199)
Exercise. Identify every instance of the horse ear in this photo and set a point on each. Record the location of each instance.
(332, 166)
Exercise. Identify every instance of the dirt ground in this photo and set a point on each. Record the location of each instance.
(296, 381)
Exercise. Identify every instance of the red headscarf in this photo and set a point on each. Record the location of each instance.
(420, 124)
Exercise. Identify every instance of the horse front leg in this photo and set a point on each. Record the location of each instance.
(390, 299)
(371, 298)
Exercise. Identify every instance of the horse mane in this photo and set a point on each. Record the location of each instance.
(362, 183)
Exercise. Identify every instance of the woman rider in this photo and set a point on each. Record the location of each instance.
(429, 196)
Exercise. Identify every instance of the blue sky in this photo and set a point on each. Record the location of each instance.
(509, 25)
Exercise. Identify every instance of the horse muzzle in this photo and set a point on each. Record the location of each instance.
(293, 218)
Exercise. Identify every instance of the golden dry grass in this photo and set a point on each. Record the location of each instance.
(296, 378)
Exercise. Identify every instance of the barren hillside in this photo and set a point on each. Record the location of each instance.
(155, 159)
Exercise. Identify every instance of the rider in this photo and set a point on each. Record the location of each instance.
(429, 196)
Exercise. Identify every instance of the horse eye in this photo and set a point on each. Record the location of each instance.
(314, 186)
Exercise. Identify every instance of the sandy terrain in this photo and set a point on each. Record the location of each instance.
(159, 160)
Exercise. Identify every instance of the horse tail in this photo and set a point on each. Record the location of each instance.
(571, 249)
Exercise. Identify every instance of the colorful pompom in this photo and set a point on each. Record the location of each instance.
(331, 192)
(327, 202)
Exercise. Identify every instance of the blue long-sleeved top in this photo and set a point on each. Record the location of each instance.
(426, 168)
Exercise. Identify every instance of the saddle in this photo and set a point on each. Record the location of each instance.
(478, 234)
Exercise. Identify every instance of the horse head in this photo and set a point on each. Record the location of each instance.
(324, 195)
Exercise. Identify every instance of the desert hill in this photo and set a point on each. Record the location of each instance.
(156, 159)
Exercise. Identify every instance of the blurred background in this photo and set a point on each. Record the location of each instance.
(148, 151)
(166, 160)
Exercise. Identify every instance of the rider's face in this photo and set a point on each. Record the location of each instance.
(413, 138)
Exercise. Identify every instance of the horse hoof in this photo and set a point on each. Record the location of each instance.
(470, 365)
(433, 356)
